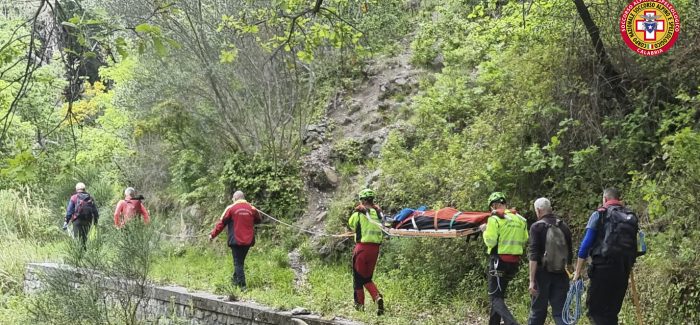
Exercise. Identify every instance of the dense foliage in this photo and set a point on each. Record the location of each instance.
(190, 100)
(514, 110)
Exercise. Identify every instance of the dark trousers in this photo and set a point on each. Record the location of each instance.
(551, 290)
(81, 230)
(239, 254)
(606, 290)
(499, 277)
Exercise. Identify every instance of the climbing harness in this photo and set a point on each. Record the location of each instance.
(494, 272)
(571, 314)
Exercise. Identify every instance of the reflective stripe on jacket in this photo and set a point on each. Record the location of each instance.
(508, 234)
(366, 231)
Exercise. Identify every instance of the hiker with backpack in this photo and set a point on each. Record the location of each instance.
(82, 212)
(550, 253)
(505, 236)
(130, 207)
(611, 242)
(365, 222)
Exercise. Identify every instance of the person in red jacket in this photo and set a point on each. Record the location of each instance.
(239, 219)
(130, 207)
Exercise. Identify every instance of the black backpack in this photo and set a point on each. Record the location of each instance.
(85, 208)
(556, 251)
(618, 232)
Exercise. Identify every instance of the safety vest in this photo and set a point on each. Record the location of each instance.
(366, 231)
(508, 234)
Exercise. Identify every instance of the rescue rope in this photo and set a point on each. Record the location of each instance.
(318, 233)
(571, 316)
(181, 236)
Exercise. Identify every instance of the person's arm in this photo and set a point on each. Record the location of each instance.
(534, 255)
(225, 219)
(532, 288)
(144, 213)
(354, 219)
(491, 233)
(584, 251)
(118, 213)
(256, 216)
(70, 210)
(96, 216)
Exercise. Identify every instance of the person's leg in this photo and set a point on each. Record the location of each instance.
(538, 307)
(80, 231)
(494, 290)
(357, 279)
(239, 255)
(510, 270)
(618, 288)
(558, 289)
(601, 296)
(367, 270)
(498, 286)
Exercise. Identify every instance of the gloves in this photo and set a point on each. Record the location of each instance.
(65, 225)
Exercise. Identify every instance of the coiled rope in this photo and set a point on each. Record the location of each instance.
(572, 313)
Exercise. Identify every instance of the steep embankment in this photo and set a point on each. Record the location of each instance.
(357, 119)
(355, 125)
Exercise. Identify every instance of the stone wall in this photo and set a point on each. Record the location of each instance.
(176, 305)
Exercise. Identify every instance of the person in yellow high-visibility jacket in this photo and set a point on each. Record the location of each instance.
(505, 236)
(365, 221)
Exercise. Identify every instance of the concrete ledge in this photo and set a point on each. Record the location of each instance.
(163, 302)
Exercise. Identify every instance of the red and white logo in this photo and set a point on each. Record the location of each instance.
(650, 27)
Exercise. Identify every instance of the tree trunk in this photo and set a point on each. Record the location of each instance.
(612, 77)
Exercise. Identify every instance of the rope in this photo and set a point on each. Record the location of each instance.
(306, 230)
(571, 316)
(181, 236)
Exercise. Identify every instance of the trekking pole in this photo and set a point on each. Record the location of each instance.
(635, 299)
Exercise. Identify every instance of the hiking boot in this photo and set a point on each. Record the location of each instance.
(359, 307)
(380, 306)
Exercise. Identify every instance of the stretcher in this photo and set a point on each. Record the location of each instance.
(445, 223)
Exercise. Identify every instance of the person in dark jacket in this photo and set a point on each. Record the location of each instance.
(239, 219)
(81, 211)
(549, 284)
(608, 276)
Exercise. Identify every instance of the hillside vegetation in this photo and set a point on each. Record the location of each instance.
(189, 100)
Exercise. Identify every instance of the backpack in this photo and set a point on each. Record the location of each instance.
(85, 208)
(555, 248)
(618, 230)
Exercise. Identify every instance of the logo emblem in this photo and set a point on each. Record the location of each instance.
(650, 27)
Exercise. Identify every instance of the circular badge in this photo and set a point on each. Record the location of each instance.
(650, 27)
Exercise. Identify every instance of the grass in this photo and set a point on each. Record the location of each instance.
(16, 253)
(328, 292)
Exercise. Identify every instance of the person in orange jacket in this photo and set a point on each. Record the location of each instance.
(130, 207)
(239, 219)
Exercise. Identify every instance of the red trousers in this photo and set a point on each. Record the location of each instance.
(364, 259)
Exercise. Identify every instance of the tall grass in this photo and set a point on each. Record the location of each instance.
(23, 216)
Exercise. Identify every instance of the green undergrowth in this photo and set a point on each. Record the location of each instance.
(412, 296)
(16, 253)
